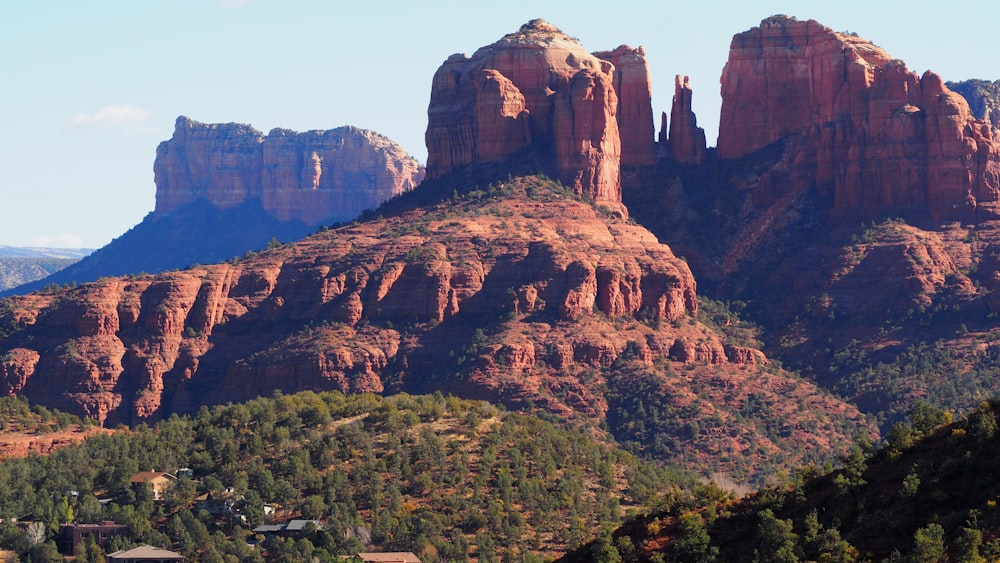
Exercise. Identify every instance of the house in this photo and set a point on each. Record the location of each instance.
(157, 481)
(8, 556)
(289, 529)
(217, 504)
(72, 535)
(145, 554)
(387, 557)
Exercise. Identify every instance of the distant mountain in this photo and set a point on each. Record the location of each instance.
(37, 252)
(225, 189)
(19, 266)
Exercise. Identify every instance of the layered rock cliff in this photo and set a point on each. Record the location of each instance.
(524, 294)
(535, 89)
(870, 135)
(635, 105)
(311, 177)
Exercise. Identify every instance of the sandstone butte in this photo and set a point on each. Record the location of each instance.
(313, 177)
(559, 291)
(870, 135)
(539, 90)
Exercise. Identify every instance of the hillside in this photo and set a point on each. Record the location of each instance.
(929, 493)
(433, 475)
(198, 233)
(521, 293)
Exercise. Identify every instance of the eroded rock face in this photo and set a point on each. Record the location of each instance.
(635, 106)
(133, 349)
(526, 297)
(869, 134)
(686, 141)
(312, 177)
(536, 88)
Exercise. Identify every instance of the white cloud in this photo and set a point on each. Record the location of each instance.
(110, 116)
(57, 241)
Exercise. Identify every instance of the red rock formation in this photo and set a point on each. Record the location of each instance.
(121, 347)
(635, 106)
(536, 87)
(686, 142)
(869, 134)
(218, 162)
(312, 177)
(529, 296)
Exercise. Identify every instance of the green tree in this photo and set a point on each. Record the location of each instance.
(928, 544)
(911, 483)
(926, 417)
(692, 543)
(775, 539)
(603, 549)
(94, 552)
(983, 423)
(968, 546)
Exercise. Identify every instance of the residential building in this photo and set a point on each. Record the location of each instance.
(145, 554)
(72, 535)
(157, 481)
(387, 557)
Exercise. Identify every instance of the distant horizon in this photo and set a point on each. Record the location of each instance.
(100, 85)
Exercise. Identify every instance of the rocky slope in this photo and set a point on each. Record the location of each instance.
(850, 203)
(313, 177)
(19, 271)
(521, 294)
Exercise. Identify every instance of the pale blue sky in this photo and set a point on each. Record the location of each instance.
(88, 89)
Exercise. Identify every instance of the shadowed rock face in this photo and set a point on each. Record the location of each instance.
(312, 177)
(871, 136)
(536, 88)
(686, 141)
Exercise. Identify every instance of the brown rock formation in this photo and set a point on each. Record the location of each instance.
(635, 106)
(870, 135)
(535, 88)
(686, 142)
(312, 177)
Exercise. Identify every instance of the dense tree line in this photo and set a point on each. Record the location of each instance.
(435, 475)
(928, 494)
